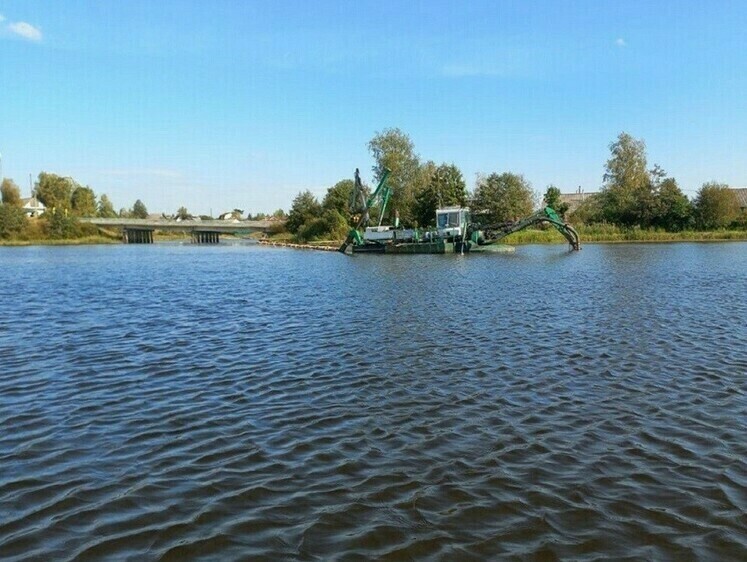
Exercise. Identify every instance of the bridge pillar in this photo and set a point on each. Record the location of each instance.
(205, 237)
(137, 236)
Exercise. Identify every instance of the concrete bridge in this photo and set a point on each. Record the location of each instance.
(140, 231)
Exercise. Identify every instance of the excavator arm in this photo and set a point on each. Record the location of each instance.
(490, 234)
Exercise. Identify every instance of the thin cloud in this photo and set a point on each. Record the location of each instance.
(25, 31)
(2, 18)
(620, 42)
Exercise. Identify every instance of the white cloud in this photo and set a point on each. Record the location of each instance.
(620, 42)
(25, 30)
(2, 18)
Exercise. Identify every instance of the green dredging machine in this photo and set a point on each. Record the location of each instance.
(454, 232)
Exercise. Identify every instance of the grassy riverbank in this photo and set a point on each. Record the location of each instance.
(613, 234)
(591, 234)
(86, 240)
(601, 234)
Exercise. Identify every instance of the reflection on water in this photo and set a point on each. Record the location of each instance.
(235, 402)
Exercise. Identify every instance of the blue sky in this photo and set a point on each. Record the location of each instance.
(219, 104)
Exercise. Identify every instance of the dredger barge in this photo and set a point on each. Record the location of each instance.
(454, 232)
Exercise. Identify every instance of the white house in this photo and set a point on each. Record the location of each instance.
(33, 207)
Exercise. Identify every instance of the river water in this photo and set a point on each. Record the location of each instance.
(175, 402)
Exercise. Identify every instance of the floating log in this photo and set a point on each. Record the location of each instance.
(299, 246)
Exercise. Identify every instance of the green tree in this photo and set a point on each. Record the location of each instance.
(716, 206)
(139, 210)
(305, 208)
(627, 195)
(54, 191)
(279, 214)
(10, 193)
(182, 214)
(338, 197)
(392, 149)
(105, 208)
(673, 209)
(552, 200)
(13, 220)
(503, 197)
(83, 202)
(445, 188)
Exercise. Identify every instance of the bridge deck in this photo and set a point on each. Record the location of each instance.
(186, 226)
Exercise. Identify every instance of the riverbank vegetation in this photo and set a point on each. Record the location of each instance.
(65, 202)
(633, 203)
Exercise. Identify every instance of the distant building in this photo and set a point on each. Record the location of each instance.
(232, 216)
(33, 207)
(741, 193)
(574, 200)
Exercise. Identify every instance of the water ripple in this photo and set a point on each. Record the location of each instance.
(235, 402)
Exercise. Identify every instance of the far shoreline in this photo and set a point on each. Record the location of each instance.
(526, 238)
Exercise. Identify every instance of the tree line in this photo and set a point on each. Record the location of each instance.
(418, 189)
(634, 196)
(631, 194)
(66, 201)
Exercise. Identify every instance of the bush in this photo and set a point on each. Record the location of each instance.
(13, 221)
(61, 225)
(330, 226)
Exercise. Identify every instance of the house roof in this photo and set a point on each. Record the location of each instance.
(32, 203)
(575, 199)
(741, 193)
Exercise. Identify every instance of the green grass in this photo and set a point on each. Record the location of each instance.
(65, 242)
(612, 234)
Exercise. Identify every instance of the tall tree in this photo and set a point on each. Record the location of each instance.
(10, 193)
(716, 206)
(139, 210)
(305, 208)
(503, 197)
(55, 191)
(105, 208)
(392, 149)
(445, 188)
(83, 202)
(627, 194)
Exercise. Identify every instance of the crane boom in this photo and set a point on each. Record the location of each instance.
(380, 196)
